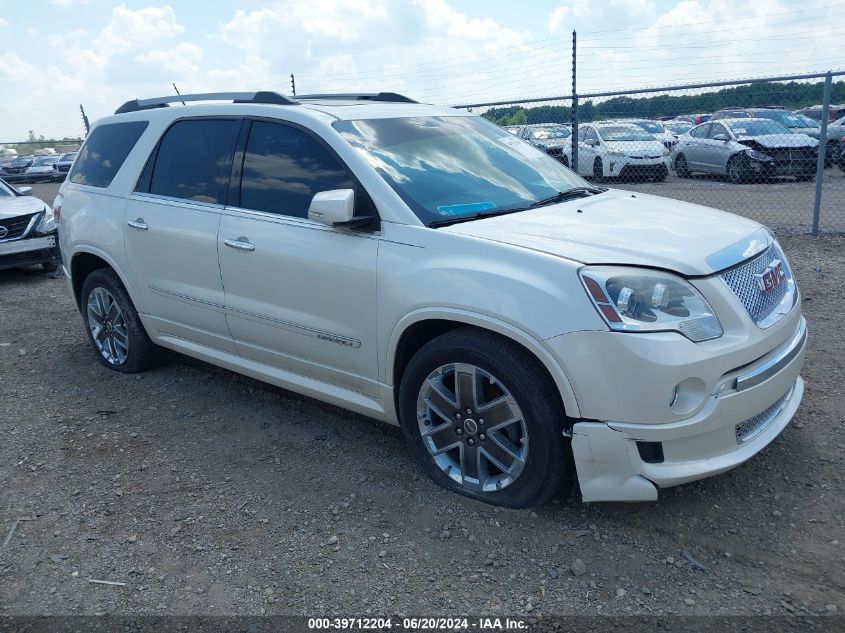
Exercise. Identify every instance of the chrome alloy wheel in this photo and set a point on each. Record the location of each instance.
(108, 326)
(472, 427)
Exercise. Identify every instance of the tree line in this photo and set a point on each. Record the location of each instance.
(791, 95)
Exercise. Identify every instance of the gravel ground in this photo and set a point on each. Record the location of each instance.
(209, 493)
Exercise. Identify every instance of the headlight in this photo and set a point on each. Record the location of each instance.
(666, 151)
(640, 300)
(753, 153)
(615, 152)
(47, 223)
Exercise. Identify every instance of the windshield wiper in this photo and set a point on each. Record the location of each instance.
(569, 194)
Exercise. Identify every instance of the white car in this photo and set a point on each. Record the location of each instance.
(424, 267)
(27, 230)
(620, 150)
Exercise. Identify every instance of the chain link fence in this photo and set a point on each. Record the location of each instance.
(769, 149)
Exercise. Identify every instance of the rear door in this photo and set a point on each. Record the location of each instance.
(300, 295)
(172, 221)
(696, 148)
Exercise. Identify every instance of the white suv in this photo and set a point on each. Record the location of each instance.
(420, 265)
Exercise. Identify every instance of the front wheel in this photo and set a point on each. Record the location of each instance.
(681, 167)
(113, 325)
(483, 419)
(737, 170)
(598, 170)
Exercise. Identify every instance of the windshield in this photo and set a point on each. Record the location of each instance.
(785, 118)
(44, 160)
(808, 122)
(67, 158)
(21, 161)
(623, 133)
(751, 127)
(678, 127)
(650, 126)
(456, 166)
(551, 131)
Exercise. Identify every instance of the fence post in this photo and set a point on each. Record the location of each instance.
(817, 203)
(574, 138)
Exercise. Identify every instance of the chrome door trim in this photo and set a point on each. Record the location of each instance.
(323, 335)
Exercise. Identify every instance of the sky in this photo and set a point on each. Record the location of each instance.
(57, 54)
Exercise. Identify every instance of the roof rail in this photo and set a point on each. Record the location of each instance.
(360, 96)
(262, 96)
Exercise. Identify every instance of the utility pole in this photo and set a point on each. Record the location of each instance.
(293, 84)
(84, 119)
(817, 201)
(574, 164)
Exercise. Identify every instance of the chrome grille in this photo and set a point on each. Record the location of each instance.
(15, 227)
(754, 426)
(741, 280)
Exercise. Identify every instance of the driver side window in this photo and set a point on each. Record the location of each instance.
(717, 128)
(701, 131)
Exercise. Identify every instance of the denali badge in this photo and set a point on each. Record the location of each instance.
(772, 277)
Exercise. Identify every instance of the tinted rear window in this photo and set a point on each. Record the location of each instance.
(104, 152)
(194, 160)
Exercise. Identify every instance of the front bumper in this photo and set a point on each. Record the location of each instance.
(742, 411)
(628, 166)
(29, 251)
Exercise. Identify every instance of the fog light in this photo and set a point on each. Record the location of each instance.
(688, 396)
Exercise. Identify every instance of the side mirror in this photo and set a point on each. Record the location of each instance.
(591, 142)
(336, 208)
(25, 191)
(721, 137)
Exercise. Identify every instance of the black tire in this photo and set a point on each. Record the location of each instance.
(681, 167)
(50, 267)
(737, 170)
(565, 161)
(548, 460)
(142, 353)
(661, 175)
(598, 170)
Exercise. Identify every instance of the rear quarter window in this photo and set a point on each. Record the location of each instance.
(104, 152)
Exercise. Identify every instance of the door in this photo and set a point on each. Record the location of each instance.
(718, 151)
(171, 231)
(587, 153)
(695, 149)
(299, 295)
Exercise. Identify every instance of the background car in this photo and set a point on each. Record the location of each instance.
(655, 128)
(677, 127)
(622, 150)
(815, 112)
(14, 171)
(27, 230)
(695, 119)
(41, 169)
(745, 149)
(553, 138)
(62, 166)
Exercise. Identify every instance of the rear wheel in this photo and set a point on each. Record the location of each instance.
(113, 325)
(681, 167)
(483, 419)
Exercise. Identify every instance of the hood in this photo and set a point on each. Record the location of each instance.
(617, 227)
(20, 205)
(781, 140)
(638, 148)
(40, 169)
(555, 142)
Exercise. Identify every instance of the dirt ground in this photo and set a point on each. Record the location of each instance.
(209, 493)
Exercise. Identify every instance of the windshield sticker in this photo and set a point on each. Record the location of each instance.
(464, 209)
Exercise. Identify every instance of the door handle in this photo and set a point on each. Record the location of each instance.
(241, 243)
(139, 224)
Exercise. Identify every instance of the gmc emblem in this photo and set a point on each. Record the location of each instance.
(772, 277)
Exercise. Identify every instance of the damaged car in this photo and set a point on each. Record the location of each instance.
(745, 150)
(27, 230)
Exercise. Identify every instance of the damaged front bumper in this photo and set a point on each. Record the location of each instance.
(746, 409)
